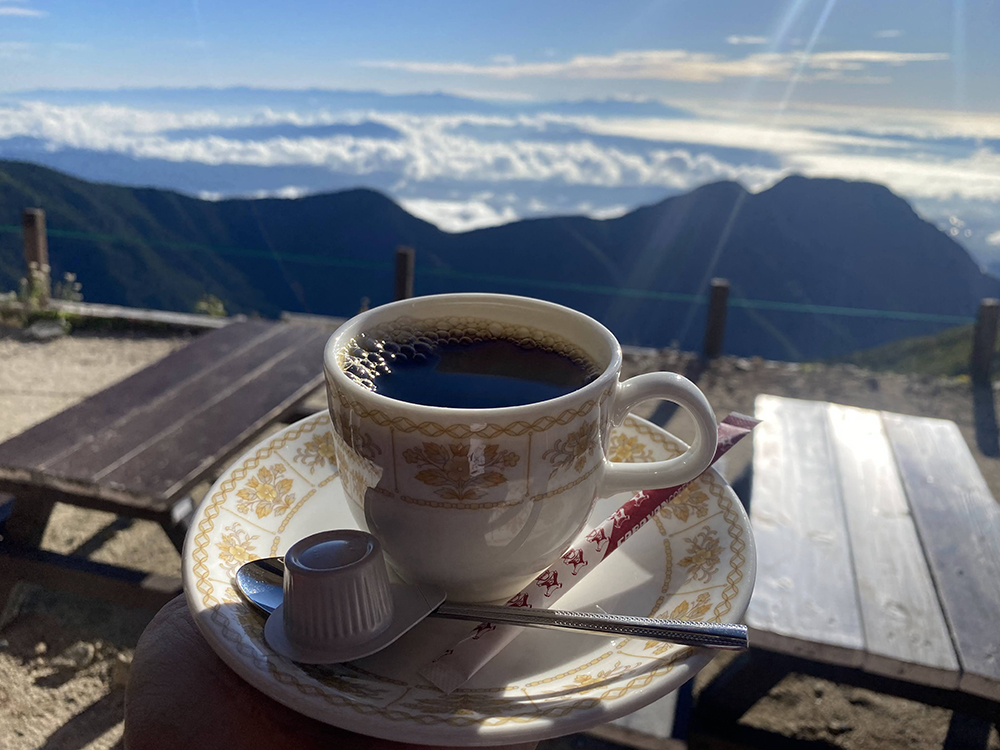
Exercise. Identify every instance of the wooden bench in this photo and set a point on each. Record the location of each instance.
(878, 547)
(137, 448)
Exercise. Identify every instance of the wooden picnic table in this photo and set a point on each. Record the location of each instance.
(138, 447)
(878, 548)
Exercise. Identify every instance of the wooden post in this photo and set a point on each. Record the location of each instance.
(984, 340)
(715, 328)
(405, 258)
(36, 247)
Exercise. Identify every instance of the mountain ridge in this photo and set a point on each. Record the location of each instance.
(803, 242)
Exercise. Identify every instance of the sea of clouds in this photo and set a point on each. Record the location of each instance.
(465, 163)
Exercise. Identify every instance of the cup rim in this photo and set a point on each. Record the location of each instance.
(356, 323)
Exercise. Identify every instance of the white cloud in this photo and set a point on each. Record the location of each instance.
(492, 94)
(458, 216)
(677, 65)
(103, 125)
(96, 126)
(428, 150)
(15, 10)
(746, 39)
(888, 34)
(914, 124)
(503, 59)
(856, 59)
(892, 147)
(994, 239)
(287, 192)
(779, 138)
(976, 177)
(610, 212)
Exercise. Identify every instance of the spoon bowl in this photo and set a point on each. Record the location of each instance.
(260, 583)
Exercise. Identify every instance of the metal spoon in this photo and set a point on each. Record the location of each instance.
(260, 584)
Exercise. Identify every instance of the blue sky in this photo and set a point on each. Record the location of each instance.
(901, 92)
(114, 43)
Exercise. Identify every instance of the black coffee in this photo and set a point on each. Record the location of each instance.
(466, 372)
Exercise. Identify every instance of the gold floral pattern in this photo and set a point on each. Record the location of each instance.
(229, 596)
(365, 447)
(235, 547)
(489, 431)
(585, 680)
(268, 492)
(461, 703)
(681, 508)
(704, 551)
(685, 611)
(334, 677)
(252, 624)
(573, 450)
(628, 449)
(458, 472)
(360, 442)
(318, 451)
(354, 484)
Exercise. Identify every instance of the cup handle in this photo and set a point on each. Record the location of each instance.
(668, 386)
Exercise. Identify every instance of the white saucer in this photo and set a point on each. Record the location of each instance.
(696, 560)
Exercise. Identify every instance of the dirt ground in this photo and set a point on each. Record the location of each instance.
(63, 659)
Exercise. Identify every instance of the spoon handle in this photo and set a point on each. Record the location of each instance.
(705, 634)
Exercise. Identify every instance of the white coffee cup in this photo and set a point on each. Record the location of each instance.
(479, 501)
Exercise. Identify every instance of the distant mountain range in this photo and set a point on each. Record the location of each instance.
(254, 97)
(804, 242)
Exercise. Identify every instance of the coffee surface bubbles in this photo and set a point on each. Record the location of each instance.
(451, 368)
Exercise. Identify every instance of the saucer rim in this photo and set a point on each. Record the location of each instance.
(692, 660)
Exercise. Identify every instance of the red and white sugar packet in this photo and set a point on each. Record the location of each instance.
(459, 663)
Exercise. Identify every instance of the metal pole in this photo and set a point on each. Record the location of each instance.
(405, 259)
(36, 248)
(715, 328)
(984, 340)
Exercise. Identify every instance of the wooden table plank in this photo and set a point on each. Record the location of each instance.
(46, 441)
(959, 525)
(805, 602)
(207, 437)
(905, 632)
(112, 446)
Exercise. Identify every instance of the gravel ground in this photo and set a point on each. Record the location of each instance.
(48, 698)
(63, 660)
(38, 379)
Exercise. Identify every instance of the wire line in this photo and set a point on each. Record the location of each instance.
(566, 286)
